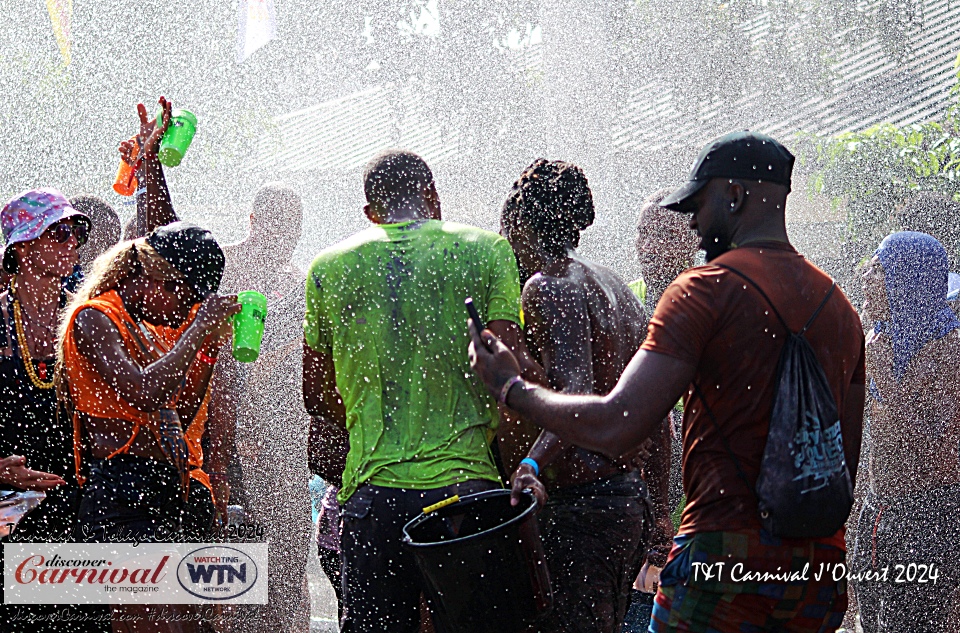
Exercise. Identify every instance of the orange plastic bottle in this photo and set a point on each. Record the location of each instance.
(126, 182)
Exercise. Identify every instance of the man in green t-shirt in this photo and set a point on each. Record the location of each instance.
(385, 356)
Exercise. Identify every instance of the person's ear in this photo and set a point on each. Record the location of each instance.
(432, 199)
(372, 211)
(736, 196)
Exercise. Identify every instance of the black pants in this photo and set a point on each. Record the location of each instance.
(381, 582)
(594, 536)
(920, 529)
(128, 497)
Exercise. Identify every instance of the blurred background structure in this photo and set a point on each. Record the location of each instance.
(628, 89)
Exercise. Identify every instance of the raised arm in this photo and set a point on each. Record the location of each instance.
(196, 386)
(154, 207)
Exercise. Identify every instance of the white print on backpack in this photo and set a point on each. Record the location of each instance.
(816, 459)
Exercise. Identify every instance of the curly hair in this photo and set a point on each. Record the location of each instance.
(552, 198)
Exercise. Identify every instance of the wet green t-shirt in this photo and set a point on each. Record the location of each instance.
(387, 304)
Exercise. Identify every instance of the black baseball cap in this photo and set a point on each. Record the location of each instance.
(193, 251)
(745, 155)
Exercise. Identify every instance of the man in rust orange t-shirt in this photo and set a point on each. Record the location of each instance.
(712, 328)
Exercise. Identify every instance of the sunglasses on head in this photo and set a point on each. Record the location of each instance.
(61, 232)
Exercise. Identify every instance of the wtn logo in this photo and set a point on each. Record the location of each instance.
(204, 573)
(217, 573)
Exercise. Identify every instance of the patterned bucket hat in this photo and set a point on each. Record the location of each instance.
(31, 213)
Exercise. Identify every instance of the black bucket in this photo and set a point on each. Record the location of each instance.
(482, 563)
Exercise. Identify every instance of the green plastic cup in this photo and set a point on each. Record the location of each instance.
(248, 326)
(177, 138)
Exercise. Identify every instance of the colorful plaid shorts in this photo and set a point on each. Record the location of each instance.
(749, 582)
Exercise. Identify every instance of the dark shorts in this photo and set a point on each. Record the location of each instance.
(920, 530)
(726, 603)
(129, 497)
(594, 537)
(381, 582)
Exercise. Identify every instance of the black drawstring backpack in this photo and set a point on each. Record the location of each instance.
(804, 489)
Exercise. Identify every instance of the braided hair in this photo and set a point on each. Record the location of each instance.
(553, 199)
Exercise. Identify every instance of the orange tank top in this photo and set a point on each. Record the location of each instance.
(93, 396)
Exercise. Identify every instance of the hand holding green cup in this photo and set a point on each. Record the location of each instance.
(177, 138)
(248, 325)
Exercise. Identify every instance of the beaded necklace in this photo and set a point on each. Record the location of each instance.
(40, 381)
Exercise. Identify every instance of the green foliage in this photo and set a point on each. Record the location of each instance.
(875, 170)
(889, 161)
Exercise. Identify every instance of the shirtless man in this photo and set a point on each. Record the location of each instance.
(665, 247)
(708, 329)
(585, 324)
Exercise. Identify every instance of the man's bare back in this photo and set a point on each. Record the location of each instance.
(584, 325)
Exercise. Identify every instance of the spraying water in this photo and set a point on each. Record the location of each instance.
(627, 90)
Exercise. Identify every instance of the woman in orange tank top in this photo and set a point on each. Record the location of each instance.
(135, 373)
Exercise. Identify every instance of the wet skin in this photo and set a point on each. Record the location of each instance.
(584, 324)
(148, 383)
(42, 263)
(143, 381)
(725, 213)
(915, 431)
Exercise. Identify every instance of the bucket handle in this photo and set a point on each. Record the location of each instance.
(441, 504)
